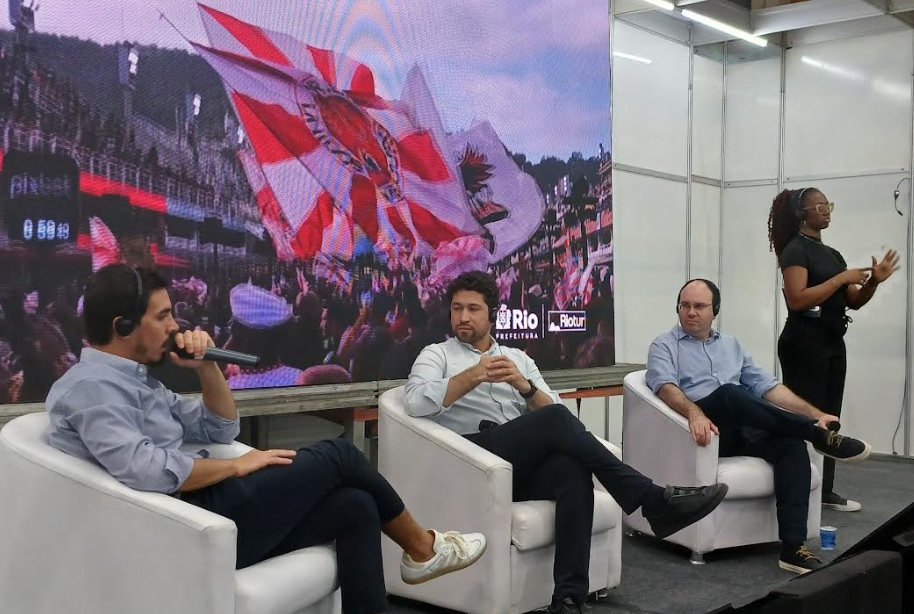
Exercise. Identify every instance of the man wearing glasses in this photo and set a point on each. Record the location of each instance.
(711, 380)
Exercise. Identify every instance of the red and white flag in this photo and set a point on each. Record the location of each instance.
(320, 108)
(326, 229)
(104, 246)
(503, 197)
(317, 126)
(271, 214)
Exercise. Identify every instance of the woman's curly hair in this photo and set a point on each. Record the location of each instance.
(783, 222)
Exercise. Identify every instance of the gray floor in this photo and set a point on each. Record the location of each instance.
(658, 579)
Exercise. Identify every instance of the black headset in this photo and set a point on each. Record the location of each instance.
(715, 293)
(493, 314)
(124, 325)
(796, 201)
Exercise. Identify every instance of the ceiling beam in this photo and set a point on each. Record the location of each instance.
(897, 6)
(810, 13)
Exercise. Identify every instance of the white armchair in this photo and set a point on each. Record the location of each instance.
(657, 442)
(451, 483)
(74, 539)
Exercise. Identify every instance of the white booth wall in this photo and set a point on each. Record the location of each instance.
(693, 200)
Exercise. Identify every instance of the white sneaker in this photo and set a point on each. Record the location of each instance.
(453, 551)
(835, 501)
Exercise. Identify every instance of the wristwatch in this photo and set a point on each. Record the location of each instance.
(529, 394)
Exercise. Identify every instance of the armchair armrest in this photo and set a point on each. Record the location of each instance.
(448, 483)
(440, 474)
(163, 540)
(657, 441)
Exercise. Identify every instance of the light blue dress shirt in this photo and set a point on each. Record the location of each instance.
(439, 362)
(110, 411)
(699, 368)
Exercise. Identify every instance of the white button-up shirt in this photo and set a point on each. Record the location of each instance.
(439, 362)
(108, 410)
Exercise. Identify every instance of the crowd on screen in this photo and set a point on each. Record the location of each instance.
(372, 328)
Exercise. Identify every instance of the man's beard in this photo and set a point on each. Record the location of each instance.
(160, 362)
(470, 335)
(164, 358)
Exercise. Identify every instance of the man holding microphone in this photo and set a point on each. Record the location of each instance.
(109, 411)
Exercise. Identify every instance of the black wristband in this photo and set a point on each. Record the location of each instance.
(529, 394)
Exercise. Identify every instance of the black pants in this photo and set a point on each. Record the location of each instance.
(750, 426)
(814, 363)
(329, 493)
(554, 458)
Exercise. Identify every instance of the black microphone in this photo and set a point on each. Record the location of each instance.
(485, 425)
(220, 355)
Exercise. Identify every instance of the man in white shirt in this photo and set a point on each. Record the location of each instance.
(486, 392)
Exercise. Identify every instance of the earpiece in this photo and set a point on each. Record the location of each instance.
(124, 325)
(493, 314)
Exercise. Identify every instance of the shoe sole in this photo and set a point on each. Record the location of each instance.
(851, 459)
(445, 571)
(842, 508)
(793, 568)
(697, 515)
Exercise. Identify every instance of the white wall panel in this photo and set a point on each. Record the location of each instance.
(865, 224)
(752, 120)
(650, 101)
(707, 116)
(748, 272)
(848, 105)
(650, 259)
(704, 255)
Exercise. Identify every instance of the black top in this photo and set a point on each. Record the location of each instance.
(821, 263)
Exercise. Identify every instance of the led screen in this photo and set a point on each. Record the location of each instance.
(310, 175)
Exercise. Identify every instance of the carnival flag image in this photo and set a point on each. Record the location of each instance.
(324, 138)
(507, 200)
(104, 246)
(271, 214)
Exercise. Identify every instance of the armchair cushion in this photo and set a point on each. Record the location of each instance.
(286, 583)
(533, 522)
(749, 477)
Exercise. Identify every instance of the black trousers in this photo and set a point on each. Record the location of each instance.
(814, 363)
(329, 493)
(750, 426)
(554, 458)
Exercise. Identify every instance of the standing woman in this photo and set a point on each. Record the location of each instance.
(818, 288)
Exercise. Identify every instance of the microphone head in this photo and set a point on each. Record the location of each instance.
(897, 194)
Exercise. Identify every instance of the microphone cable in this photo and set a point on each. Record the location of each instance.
(897, 193)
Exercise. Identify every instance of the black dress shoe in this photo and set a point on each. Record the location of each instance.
(685, 506)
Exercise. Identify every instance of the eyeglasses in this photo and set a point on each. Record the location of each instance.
(697, 306)
(823, 208)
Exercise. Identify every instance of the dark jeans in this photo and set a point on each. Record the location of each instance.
(750, 426)
(554, 458)
(814, 363)
(329, 493)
